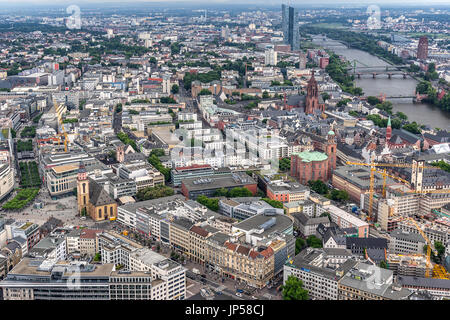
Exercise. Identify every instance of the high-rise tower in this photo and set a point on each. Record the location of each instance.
(289, 16)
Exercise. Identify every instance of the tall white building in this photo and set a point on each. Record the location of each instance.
(270, 56)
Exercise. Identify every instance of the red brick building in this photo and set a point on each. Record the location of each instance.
(315, 165)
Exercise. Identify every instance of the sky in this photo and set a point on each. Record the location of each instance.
(273, 2)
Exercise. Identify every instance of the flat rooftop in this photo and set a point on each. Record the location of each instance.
(282, 223)
(218, 181)
(345, 215)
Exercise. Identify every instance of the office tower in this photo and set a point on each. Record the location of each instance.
(285, 21)
(422, 49)
(302, 61)
(290, 27)
(270, 56)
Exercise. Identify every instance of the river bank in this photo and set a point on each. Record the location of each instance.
(423, 113)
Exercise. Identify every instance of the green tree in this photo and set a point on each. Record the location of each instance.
(314, 242)
(401, 115)
(239, 192)
(326, 214)
(274, 203)
(204, 92)
(210, 203)
(157, 152)
(325, 96)
(373, 100)
(222, 192)
(175, 89)
(383, 264)
(156, 192)
(293, 289)
(299, 245)
(318, 186)
(343, 102)
(339, 195)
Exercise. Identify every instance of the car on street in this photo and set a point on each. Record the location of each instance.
(238, 294)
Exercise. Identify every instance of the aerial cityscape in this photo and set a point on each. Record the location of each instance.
(225, 150)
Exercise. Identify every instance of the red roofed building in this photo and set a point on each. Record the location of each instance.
(197, 244)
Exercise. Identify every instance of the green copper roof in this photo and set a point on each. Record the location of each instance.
(331, 133)
(389, 122)
(308, 156)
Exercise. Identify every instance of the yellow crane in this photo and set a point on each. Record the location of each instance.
(62, 127)
(429, 246)
(417, 169)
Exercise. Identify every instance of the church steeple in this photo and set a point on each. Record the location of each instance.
(388, 130)
(82, 188)
(312, 96)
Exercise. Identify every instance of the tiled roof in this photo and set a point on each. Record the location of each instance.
(97, 195)
(200, 231)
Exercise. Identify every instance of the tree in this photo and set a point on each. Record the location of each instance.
(412, 127)
(274, 203)
(167, 100)
(157, 152)
(299, 245)
(326, 214)
(293, 289)
(401, 115)
(156, 192)
(314, 242)
(373, 100)
(318, 186)
(210, 203)
(175, 89)
(239, 192)
(342, 103)
(325, 96)
(339, 195)
(204, 92)
(285, 164)
(423, 87)
(222, 192)
(265, 95)
(383, 264)
(97, 257)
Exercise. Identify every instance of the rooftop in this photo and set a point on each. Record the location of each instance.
(308, 156)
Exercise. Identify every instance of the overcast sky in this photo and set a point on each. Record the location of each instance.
(266, 2)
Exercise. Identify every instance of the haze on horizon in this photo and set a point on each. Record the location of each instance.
(237, 2)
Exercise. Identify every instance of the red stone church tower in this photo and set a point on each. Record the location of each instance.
(330, 150)
(312, 96)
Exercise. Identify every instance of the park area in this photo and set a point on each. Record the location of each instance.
(29, 174)
(23, 198)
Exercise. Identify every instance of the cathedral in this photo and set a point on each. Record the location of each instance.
(313, 101)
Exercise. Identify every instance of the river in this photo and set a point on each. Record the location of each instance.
(423, 113)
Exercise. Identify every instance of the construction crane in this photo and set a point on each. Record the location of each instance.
(62, 127)
(429, 246)
(417, 168)
(385, 175)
